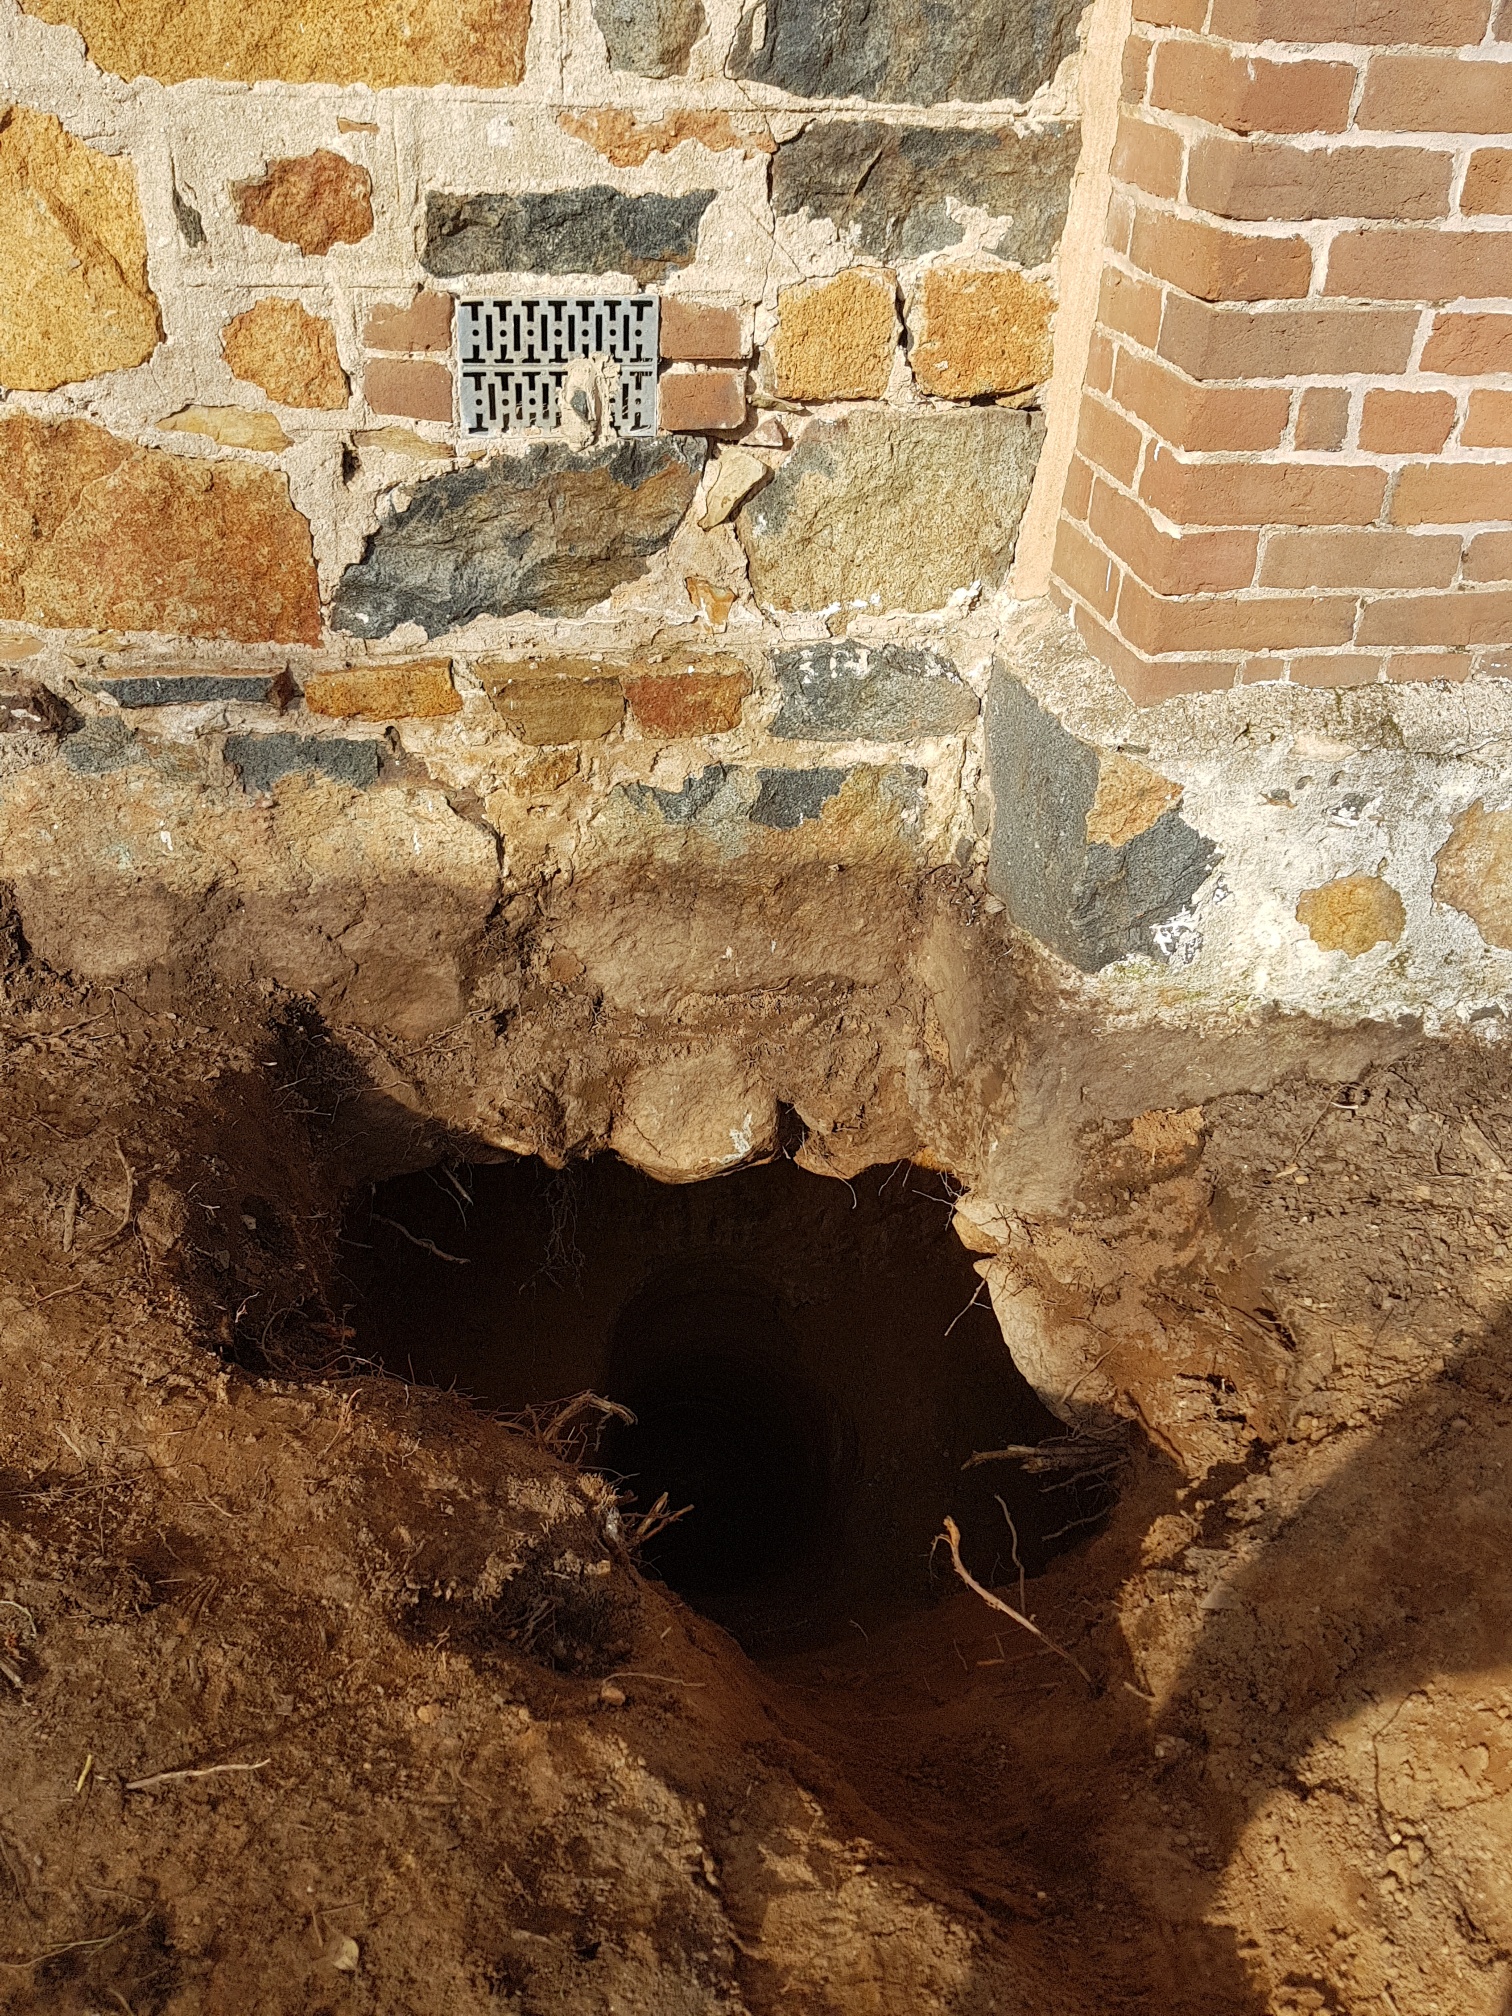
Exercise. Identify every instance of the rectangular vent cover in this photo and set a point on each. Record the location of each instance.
(512, 357)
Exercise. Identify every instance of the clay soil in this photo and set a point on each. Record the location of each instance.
(323, 1693)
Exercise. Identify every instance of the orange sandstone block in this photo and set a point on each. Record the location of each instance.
(422, 690)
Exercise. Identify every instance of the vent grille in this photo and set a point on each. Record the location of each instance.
(512, 357)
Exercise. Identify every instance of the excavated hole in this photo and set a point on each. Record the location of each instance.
(809, 1364)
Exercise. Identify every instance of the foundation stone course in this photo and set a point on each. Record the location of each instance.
(314, 201)
(261, 760)
(590, 230)
(1091, 902)
(847, 691)
(840, 520)
(548, 530)
(71, 237)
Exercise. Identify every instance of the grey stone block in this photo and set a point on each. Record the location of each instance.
(261, 760)
(681, 808)
(886, 186)
(189, 689)
(592, 230)
(102, 744)
(892, 510)
(915, 52)
(548, 530)
(788, 797)
(1092, 904)
(845, 692)
(650, 38)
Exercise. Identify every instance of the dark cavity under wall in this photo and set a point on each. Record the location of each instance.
(810, 1364)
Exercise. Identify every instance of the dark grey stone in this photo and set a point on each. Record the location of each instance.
(105, 743)
(262, 759)
(593, 230)
(788, 797)
(1092, 904)
(548, 530)
(681, 808)
(907, 52)
(27, 707)
(189, 689)
(845, 692)
(651, 38)
(886, 186)
(190, 223)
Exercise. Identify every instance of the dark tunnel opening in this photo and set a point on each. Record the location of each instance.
(809, 1364)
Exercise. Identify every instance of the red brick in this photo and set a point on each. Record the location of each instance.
(1108, 440)
(692, 333)
(1195, 563)
(1078, 493)
(1118, 230)
(702, 402)
(1452, 493)
(1100, 355)
(1220, 265)
(1406, 423)
(1488, 183)
(1227, 622)
(1199, 418)
(1445, 22)
(1172, 13)
(1261, 493)
(1146, 681)
(1364, 559)
(1436, 94)
(1489, 557)
(1085, 568)
(1420, 265)
(1405, 665)
(1208, 342)
(1339, 668)
(1322, 418)
(1136, 67)
(1148, 156)
(1488, 424)
(424, 325)
(1463, 616)
(418, 391)
(1469, 346)
(1130, 307)
(672, 704)
(1258, 179)
(1251, 94)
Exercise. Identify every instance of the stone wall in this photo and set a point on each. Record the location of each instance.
(1292, 457)
(304, 680)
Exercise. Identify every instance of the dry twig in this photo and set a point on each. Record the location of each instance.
(952, 1539)
(200, 1771)
(425, 1245)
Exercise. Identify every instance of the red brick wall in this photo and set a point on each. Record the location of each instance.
(1294, 456)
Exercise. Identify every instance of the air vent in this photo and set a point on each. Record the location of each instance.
(512, 357)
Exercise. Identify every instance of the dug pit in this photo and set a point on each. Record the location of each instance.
(802, 1370)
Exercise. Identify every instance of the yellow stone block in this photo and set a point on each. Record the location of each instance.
(1352, 914)
(836, 339)
(417, 691)
(551, 701)
(76, 302)
(289, 353)
(982, 330)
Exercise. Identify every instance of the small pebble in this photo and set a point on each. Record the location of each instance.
(612, 1696)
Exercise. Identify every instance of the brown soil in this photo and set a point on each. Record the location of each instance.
(455, 1754)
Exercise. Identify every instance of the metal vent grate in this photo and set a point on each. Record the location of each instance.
(513, 355)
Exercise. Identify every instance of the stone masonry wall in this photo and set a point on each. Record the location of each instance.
(1293, 453)
(239, 509)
